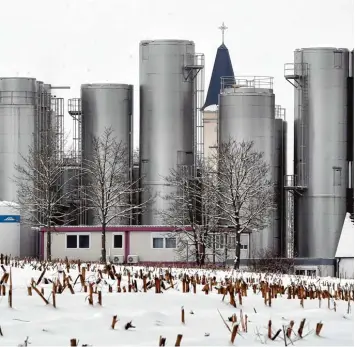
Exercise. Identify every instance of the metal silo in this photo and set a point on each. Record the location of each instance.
(320, 79)
(104, 106)
(18, 109)
(167, 115)
(247, 112)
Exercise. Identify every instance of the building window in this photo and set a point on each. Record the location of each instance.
(170, 242)
(84, 241)
(72, 241)
(243, 246)
(164, 242)
(158, 242)
(312, 273)
(300, 272)
(219, 241)
(117, 241)
(78, 241)
(231, 241)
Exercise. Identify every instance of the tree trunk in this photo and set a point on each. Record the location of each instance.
(203, 255)
(237, 249)
(49, 244)
(214, 247)
(197, 253)
(225, 237)
(103, 244)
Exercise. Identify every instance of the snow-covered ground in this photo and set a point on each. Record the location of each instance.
(155, 315)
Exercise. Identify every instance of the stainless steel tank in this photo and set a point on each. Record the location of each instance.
(166, 117)
(18, 109)
(104, 106)
(247, 112)
(320, 150)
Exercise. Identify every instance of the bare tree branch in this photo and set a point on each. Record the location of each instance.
(268, 261)
(192, 210)
(40, 182)
(108, 184)
(247, 193)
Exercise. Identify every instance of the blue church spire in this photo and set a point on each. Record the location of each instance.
(222, 68)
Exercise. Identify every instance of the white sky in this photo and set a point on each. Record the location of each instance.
(71, 42)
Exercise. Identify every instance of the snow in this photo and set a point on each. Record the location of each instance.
(9, 204)
(346, 242)
(155, 315)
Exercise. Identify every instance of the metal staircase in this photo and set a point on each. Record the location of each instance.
(297, 75)
(194, 71)
(75, 111)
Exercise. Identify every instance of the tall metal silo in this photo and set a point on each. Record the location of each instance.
(350, 127)
(247, 112)
(18, 109)
(103, 106)
(167, 115)
(320, 79)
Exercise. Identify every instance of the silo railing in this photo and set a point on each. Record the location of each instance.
(235, 82)
(295, 182)
(74, 106)
(18, 98)
(295, 70)
(280, 112)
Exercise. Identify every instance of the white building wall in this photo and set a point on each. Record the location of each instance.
(140, 243)
(93, 253)
(210, 132)
(346, 268)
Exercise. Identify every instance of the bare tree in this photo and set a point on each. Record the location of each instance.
(247, 193)
(41, 188)
(108, 184)
(268, 261)
(191, 209)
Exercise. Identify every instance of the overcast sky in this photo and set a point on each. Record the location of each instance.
(70, 42)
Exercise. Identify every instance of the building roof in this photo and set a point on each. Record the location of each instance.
(346, 242)
(8, 204)
(222, 68)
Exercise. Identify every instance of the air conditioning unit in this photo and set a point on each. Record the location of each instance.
(132, 259)
(118, 259)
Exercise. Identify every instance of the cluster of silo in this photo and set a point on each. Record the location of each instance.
(169, 106)
(247, 113)
(321, 153)
(25, 109)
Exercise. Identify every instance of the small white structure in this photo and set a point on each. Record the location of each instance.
(132, 244)
(345, 250)
(9, 228)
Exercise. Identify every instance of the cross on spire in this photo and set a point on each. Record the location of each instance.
(223, 28)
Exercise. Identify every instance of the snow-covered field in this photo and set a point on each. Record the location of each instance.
(155, 315)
